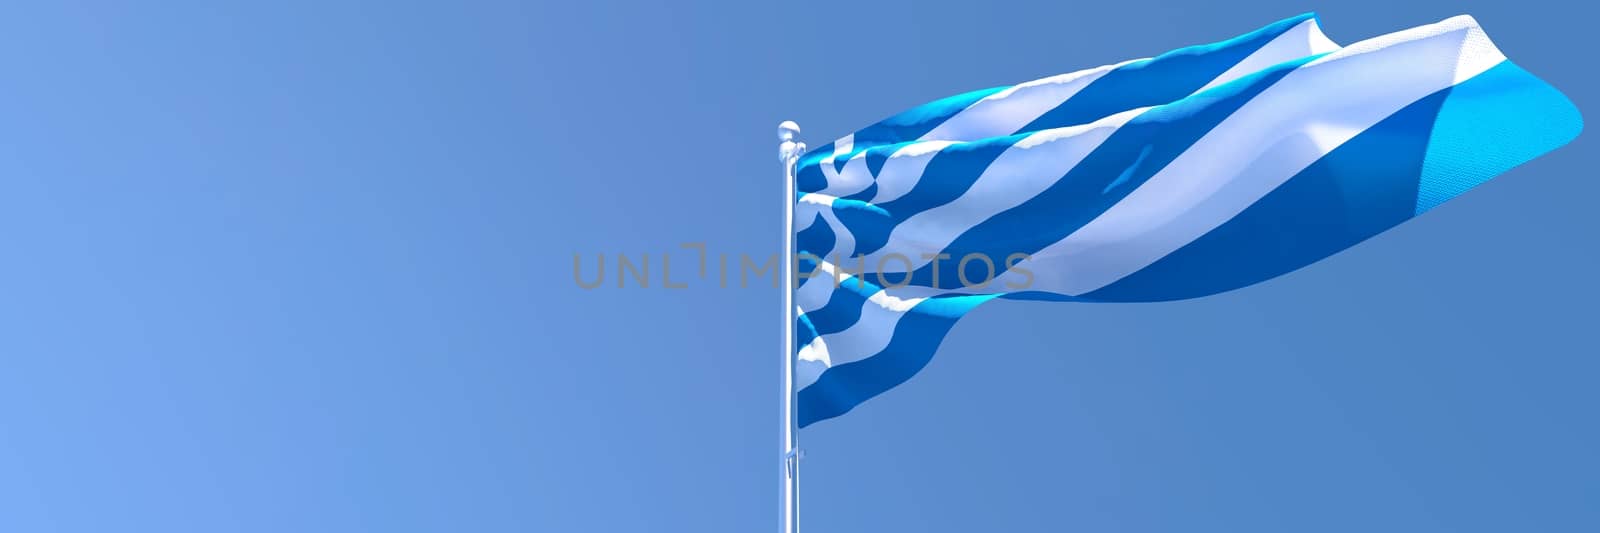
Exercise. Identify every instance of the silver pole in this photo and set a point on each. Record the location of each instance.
(789, 151)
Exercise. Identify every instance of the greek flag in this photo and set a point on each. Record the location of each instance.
(1198, 171)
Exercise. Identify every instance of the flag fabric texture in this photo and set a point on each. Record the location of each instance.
(1198, 171)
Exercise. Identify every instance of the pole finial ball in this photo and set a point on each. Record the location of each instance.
(788, 131)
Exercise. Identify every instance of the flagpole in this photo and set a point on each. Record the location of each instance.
(789, 150)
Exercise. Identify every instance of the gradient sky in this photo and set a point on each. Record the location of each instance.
(307, 266)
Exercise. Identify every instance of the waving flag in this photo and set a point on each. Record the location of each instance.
(1199, 171)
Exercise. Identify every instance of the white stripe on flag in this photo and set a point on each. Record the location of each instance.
(1302, 40)
(1330, 100)
(844, 242)
(903, 169)
(818, 289)
(865, 338)
(853, 178)
(1007, 111)
(1023, 171)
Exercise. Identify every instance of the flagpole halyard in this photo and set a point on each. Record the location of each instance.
(789, 150)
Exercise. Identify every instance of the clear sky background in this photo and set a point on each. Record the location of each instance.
(307, 266)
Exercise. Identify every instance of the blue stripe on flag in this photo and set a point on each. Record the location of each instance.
(916, 336)
(816, 239)
(1147, 82)
(1161, 79)
(952, 171)
(804, 332)
(913, 123)
(1502, 118)
(844, 307)
(1130, 156)
(808, 175)
(1366, 186)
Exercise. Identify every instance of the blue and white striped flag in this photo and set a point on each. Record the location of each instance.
(1199, 171)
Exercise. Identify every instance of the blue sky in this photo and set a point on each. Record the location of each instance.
(306, 266)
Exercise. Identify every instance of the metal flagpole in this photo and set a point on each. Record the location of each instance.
(789, 151)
